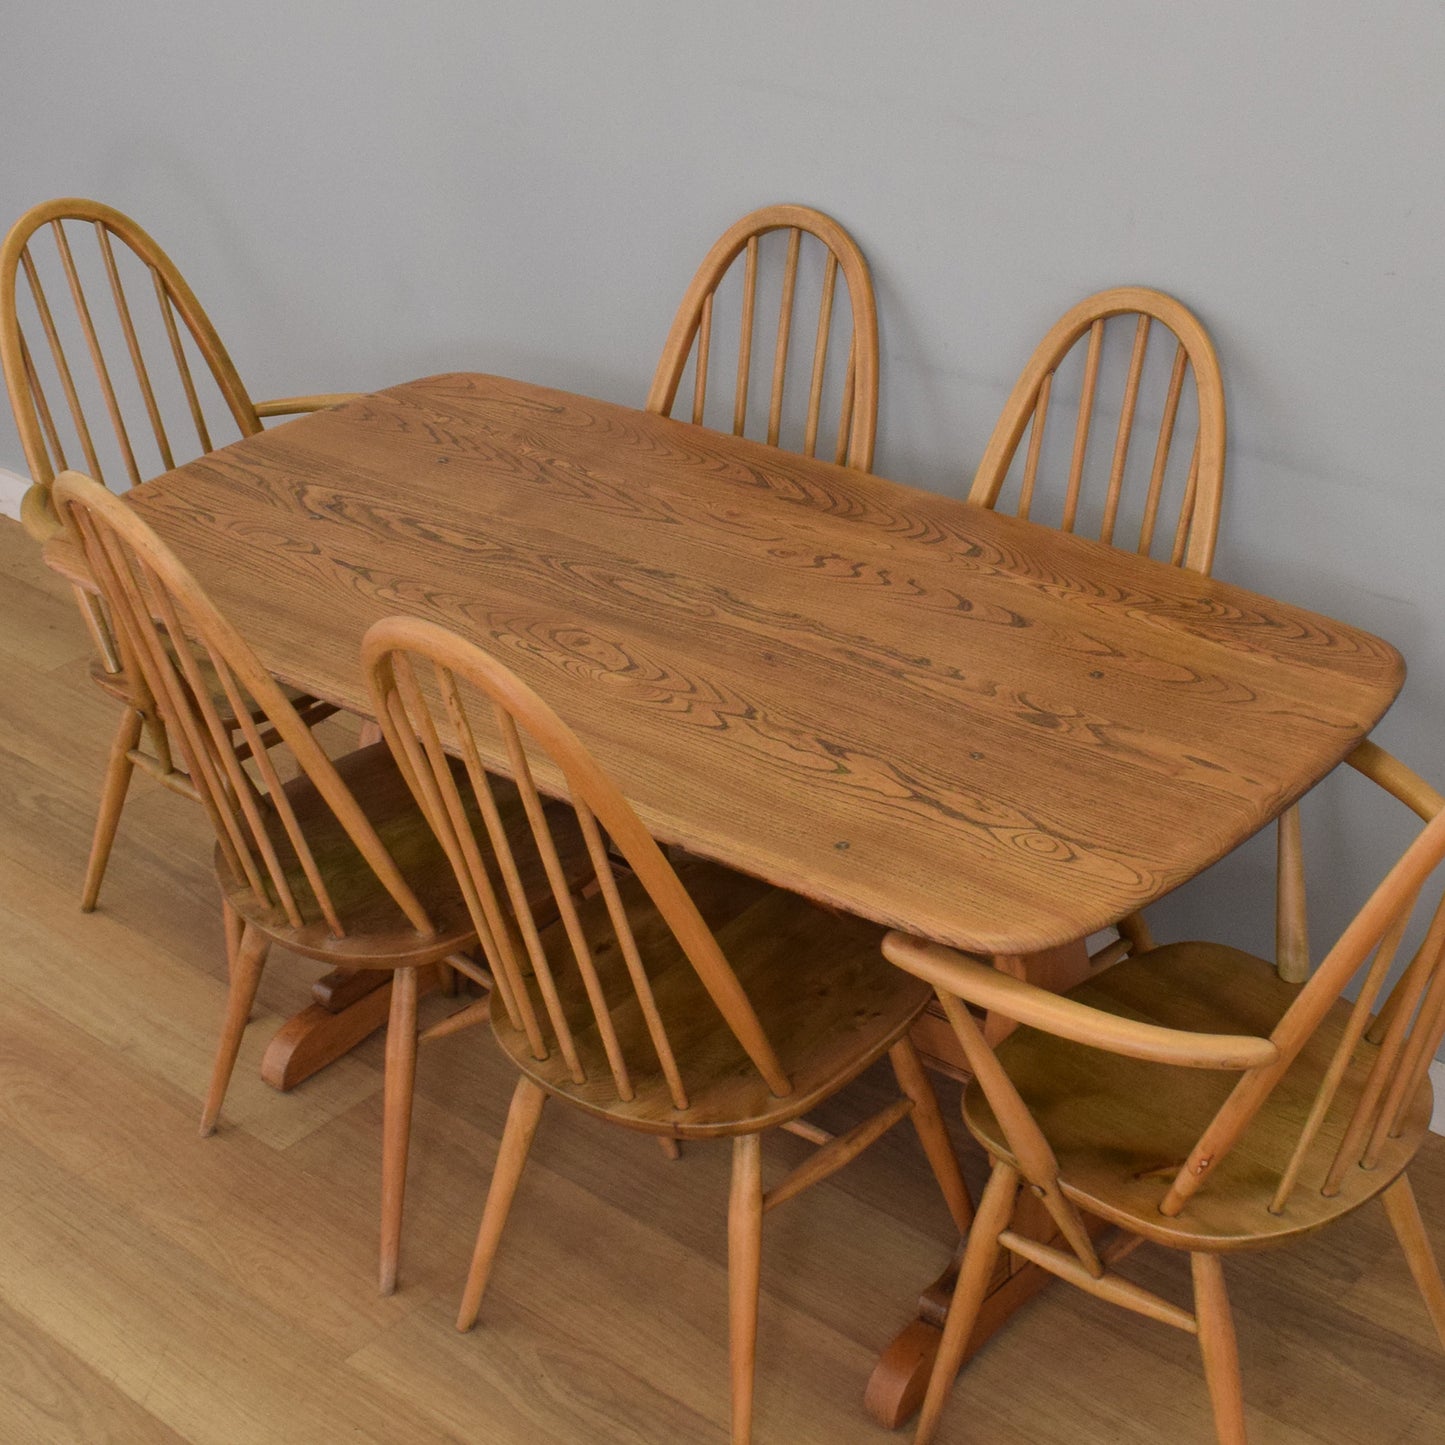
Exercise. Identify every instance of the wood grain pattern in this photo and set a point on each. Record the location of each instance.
(983, 730)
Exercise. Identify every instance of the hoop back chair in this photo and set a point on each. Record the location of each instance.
(686, 1002)
(149, 386)
(335, 864)
(1028, 409)
(1193, 1098)
(1196, 490)
(691, 337)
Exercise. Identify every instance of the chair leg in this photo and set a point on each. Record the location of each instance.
(671, 1149)
(522, 1120)
(118, 770)
(928, 1120)
(231, 922)
(1218, 1346)
(1409, 1228)
(246, 969)
(398, 1088)
(995, 1210)
(745, 1254)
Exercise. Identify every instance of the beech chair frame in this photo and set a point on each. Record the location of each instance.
(618, 1056)
(1197, 527)
(1388, 1051)
(690, 336)
(1027, 409)
(40, 422)
(276, 886)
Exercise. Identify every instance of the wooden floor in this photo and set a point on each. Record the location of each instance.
(156, 1287)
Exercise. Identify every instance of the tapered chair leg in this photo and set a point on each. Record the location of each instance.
(995, 1210)
(246, 969)
(745, 1253)
(1218, 1346)
(231, 922)
(928, 1120)
(396, 1119)
(1409, 1229)
(522, 1120)
(118, 770)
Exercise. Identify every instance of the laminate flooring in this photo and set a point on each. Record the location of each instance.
(158, 1287)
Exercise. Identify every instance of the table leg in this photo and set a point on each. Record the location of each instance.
(900, 1378)
(351, 1005)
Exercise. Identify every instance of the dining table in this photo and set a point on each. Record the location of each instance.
(980, 730)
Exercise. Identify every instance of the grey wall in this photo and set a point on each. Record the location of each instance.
(366, 192)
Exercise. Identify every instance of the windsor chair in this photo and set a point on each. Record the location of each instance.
(692, 335)
(335, 864)
(1194, 1099)
(686, 1001)
(144, 412)
(1195, 488)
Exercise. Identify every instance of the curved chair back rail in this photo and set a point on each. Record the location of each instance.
(1197, 490)
(692, 334)
(116, 341)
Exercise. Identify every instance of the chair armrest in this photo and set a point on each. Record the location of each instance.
(1401, 782)
(292, 405)
(979, 984)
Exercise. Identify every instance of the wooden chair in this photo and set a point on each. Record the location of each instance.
(687, 1002)
(336, 864)
(691, 336)
(1028, 408)
(152, 417)
(1190, 1097)
(1195, 488)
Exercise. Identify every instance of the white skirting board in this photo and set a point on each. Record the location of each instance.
(1437, 1079)
(12, 487)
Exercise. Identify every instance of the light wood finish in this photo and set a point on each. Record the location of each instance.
(49, 390)
(75, 240)
(1190, 539)
(148, 1287)
(1192, 1097)
(681, 1001)
(335, 864)
(1029, 715)
(691, 337)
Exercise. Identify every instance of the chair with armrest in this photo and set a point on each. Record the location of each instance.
(1192, 1098)
(692, 334)
(686, 1002)
(330, 859)
(114, 364)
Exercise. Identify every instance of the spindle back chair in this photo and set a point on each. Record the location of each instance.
(1198, 489)
(686, 1002)
(155, 378)
(329, 859)
(1193, 1098)
(692, 333)
(112, 363)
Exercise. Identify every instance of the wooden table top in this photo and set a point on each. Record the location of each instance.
(971, 727)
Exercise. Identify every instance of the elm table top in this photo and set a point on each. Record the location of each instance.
(972, 727)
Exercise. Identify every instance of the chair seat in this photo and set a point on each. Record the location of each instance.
(379, 934)
(823, 992)
(1121, 1127)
